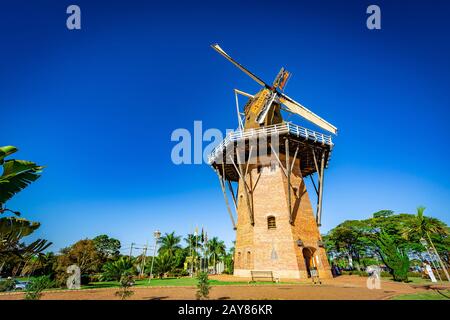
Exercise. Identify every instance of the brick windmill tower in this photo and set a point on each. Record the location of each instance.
(266, 161)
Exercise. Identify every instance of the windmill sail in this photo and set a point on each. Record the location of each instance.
(279, 83)
(295, 107)
(240, 66)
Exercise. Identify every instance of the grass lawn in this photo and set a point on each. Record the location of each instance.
(186, 281)
(429, 295)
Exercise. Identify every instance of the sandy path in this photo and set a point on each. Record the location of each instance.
(341, 288)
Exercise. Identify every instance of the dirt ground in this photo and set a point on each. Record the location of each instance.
(341, 288)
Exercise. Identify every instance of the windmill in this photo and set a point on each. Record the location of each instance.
(268, 101)
(276, 229)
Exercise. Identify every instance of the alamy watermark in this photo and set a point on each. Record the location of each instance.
(233, 147)
(373, 281)
(73, 21)
(373, 22)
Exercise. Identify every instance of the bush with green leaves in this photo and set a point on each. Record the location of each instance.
(126, 282)
(203, 286)
(7, 285)
(114, 270)
(36, 286)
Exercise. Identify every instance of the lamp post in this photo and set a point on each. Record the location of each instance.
(156, 235)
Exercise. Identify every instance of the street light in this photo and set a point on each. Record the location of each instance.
(156, 235)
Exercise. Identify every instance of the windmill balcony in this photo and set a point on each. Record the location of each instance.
(306, 140)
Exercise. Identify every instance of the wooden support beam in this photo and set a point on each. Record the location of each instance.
(319, 204)
(222, 185)
(293, 160)
(279, 161)
(315, 162)
(247, 197)
(233, 195)
(314, 184)
(248, 160)
(285, 171)
(288, 167)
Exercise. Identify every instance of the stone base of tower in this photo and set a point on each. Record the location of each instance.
(276, 229)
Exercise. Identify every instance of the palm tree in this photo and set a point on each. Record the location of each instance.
(163, 264)
(193, 242)
(421, 227)
(216, 249)
(114, 270)
(169, 243)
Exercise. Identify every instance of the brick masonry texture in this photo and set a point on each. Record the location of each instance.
(261, 248)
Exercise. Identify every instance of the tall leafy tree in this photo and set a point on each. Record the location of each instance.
(162, 264)
(216, 250)
(349, 238)
(169, 243)
(393, 257)
(422, 227)
(383, 214)
(84, 254)
(108, 248)
(15, 176)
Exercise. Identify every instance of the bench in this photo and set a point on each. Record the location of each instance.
(263, 275)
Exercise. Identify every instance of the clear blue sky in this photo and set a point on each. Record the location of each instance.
(97, 106)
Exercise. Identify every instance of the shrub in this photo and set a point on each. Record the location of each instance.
(36, 286)
(114, 270)
(203, 286)
(178, 273)
(126, 281)
(7, 285)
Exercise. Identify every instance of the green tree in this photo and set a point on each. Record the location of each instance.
(169, 243)
(40, 265)
(355, 239)
(114, 270)
(109, 248)
(36, 286)
(163, 264)
(84, 254)
(193, 243)
(216, 251)
(383, 214)
(203, 286)
(126, 282)
(422, 227)
(15, 176)
(393, 257)
(350, 239)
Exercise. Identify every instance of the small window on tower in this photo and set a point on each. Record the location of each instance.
(271, 223)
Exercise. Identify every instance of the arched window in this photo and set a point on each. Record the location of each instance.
(238, 262)
(249, 259)
(271, 223)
